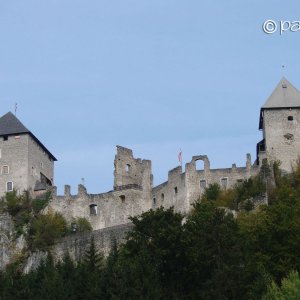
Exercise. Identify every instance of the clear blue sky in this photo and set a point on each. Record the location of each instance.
(154, 76)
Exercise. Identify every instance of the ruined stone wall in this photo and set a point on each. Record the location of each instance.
(172, 192)
(191, 184)
(130, 197)
(101, 210)
(282, 136)
(76, 245)
(133, 193)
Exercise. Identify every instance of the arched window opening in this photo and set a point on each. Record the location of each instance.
(122, 197)
(199, 165)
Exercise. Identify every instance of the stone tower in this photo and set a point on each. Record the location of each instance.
(280, 124)
(25, 163)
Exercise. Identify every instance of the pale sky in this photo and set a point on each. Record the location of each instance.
(154, 76)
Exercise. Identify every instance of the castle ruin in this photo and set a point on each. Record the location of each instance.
(27, 165)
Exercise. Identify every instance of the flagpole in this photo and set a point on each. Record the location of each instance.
(180, 157)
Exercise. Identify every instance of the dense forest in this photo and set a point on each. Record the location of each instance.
(208, 254)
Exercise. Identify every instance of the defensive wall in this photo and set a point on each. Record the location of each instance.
(133, 191)
(182, 189)
(77, 244)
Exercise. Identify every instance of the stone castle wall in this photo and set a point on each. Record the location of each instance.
(282, 136)
(130, 197)
(133, 193)
(13, 151)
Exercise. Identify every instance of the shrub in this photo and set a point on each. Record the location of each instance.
(46, 229)
(212, 192)
(80, 225)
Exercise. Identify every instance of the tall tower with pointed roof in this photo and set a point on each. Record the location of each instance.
(280, 124)
(25, 163)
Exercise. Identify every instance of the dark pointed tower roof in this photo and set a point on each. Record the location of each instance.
(285, 95)
(11, 125)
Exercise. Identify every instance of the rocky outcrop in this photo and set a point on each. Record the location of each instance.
(7, 250)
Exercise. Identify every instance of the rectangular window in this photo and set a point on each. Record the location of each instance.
(93, 209)
(224, 182)
(9, 186)
(203, 184)
(5, 170)
(175, 190)
(122, 197)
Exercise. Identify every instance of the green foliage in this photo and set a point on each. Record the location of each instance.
(93, 260)
(80, 225)
(40, 203)
(41, 231)
(212, 192)
(19, 207)
(242, 191)
(289, 290)
(248, 205)
(45, 230)
(157, 239)
(211, 255)
(250, 188)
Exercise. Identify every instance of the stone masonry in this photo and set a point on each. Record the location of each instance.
(133, 191)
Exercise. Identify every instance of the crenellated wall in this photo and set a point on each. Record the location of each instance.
(134, 194)
(130, 197)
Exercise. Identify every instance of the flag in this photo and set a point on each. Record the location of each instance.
(180, 156)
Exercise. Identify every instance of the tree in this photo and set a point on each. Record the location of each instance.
(154, 246)
(46, 229)
(214, 258)
(289, 289)
(212, 192)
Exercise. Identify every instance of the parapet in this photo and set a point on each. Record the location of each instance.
(174, 172)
